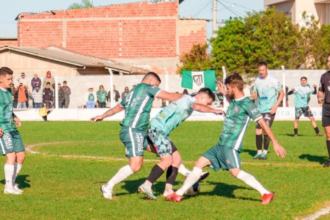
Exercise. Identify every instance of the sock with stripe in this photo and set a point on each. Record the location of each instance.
(183, 170)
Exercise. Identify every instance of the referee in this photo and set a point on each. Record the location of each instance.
(323, 97)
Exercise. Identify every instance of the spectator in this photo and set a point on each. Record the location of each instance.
(185, 91)
(116, 97)
(66, 94)
(125, 93)
(60, 94)
(22, 79)
(90, 98)
(48, 96)
(36, 81)
(101, 97)
(50, 79)
(22, 95)
(13, 95)
(37, 97)
(44, 111)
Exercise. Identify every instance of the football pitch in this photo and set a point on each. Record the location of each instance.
(61, 180)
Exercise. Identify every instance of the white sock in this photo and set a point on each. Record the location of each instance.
(121, 175)
(9, 172)
(251, 181)
(259, 152)
(191, 180)
(183, 170)
(265, 152)
(17, 169)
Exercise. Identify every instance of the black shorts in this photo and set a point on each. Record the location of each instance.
(326, 114)
(268, 118)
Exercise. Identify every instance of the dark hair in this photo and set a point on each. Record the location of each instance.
(5, 71)
(304, 77)
(208, 92)
(48, 83)
(64, 82)
(263, 63)
(152, 74)
(235, 79)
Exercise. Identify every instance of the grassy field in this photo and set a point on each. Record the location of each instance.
(68, 188)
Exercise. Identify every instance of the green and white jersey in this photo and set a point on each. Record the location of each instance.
(267, 90)
(173, 115)
(301, 96)
(137, 104)
(101, 96)
(236, 121)
(6, 111)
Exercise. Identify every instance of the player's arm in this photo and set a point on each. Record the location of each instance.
(254, 96)
(314, 90)
(110, 112)
(279, 100)
(222, 90)
(291, 91)
(169, 96)
(1, 132)
(16, 119)
(320, 93)
(205, 108)
(280, 151)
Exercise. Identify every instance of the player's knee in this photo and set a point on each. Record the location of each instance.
(136, 168)
(234, 172)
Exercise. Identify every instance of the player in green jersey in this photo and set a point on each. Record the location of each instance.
(225, 154)
(161, 126)
(137, 105)
(11, 144)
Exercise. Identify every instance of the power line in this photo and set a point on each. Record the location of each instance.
(193, 9)
(238, 5)
(203, 8)
(229, 9)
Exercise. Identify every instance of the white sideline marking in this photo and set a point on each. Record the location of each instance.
(318, 214)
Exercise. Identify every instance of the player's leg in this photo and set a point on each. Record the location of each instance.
(172, 173)
(20, 156)
(295, 126)
(258, 140)
(269, 120)
(309, 114)
(327, 132)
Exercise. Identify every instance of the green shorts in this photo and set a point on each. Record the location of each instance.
(11, 142)
(161, 141)
(223, 157)
(135, 141)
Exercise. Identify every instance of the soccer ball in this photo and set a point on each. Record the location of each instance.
(193, 190)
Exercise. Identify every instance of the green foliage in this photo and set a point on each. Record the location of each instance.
(83, 4)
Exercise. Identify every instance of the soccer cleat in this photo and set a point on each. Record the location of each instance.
(173, 197)
(106, 192)
(263, 156)
(11, 190)
(148, 193)
(319, 134)
(17, 189)
(327, 164)
(267, 198)
(257, 156)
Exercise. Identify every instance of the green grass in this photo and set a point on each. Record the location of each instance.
(68, 188)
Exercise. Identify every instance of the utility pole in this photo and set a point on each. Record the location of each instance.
(214, 18)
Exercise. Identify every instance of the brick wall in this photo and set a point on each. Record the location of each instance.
(8, 43)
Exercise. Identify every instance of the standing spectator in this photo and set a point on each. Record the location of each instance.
(66, 94)
(13, 95)
(50, 79)
(22, 79)
(90, 98)
(116, 97)
(36, 81)
(185, 91)
(22, 95)
(125, 93)
(48, 96)
(101, 97)
(37, 97)
(60, 94)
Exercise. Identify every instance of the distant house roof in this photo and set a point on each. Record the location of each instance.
(8, 38)
(201, 19)
(82, 61)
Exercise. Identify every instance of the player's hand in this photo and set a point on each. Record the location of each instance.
(273, 109)
(221, 88)
(314, 86)
(293, 90)
(1, 132)
(18, 122)
(320, 101)
(219, 112)
(97, 118)
(279, 150)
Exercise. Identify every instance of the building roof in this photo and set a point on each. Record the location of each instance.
(200, 19)
(8, 38)
(82, 61)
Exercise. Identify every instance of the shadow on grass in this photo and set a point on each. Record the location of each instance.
(21, 180)
(251, 152)
(225, 190)
(313, 158)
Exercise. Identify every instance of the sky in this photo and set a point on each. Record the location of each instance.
(189, 8)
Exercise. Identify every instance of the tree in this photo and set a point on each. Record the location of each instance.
(83, 4)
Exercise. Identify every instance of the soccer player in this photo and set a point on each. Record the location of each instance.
(323, 97)
(301, 93)
(265, 90)
(160, 128)
(225, 154)
(11, 144)
(137, 105)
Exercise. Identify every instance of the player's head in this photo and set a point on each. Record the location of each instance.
(263, 69)
(151, 78)
(6, 77)
(303, 81)
(234, 83)
(205, 96)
